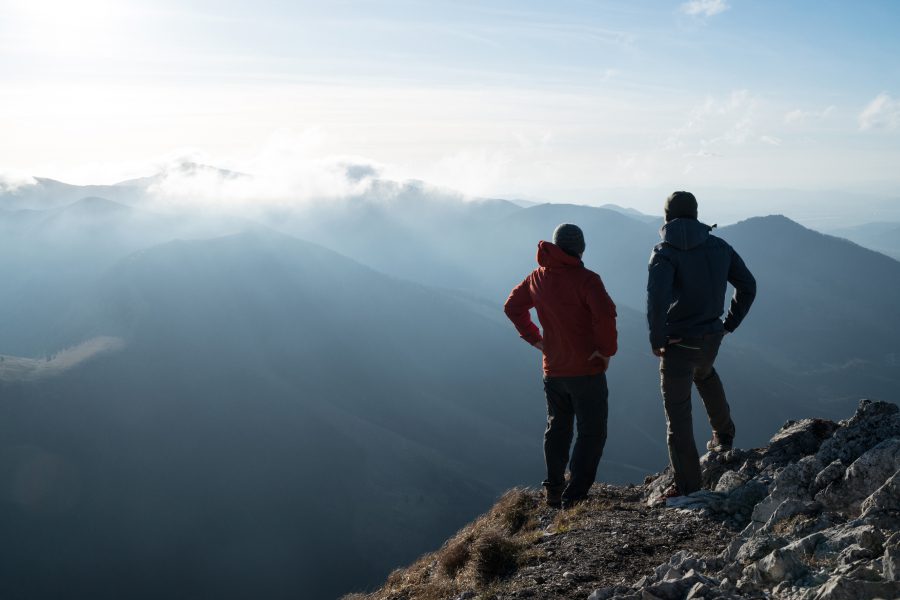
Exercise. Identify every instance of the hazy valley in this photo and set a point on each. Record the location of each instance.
(290, 401)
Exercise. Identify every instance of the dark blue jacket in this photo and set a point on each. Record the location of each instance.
(688, 274)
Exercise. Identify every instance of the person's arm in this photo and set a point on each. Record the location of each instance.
(603, 318)
(744, 292)
(660, 280)
(517, 308)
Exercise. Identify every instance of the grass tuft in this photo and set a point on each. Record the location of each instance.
(477, 558)
(494, 556)
(454, 556)
(515, 510)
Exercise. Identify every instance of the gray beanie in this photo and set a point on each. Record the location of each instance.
(569, 238)
(681, 205)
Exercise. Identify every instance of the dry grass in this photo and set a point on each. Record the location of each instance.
(454, 556)
(567, 520)
(792, 525)
(476, 558)
(494, 556)
(515, 510)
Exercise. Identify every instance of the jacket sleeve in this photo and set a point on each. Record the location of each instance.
(660, 278)
(744, 292)
(516, 308)
(603, 317)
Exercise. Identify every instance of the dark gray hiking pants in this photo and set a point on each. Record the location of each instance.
(683, 364)
(571, 400)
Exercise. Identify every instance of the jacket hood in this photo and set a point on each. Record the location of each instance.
(551, 255)
(685, 234)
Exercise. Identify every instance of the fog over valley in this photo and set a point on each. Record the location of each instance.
(267, 270)
(278, 398)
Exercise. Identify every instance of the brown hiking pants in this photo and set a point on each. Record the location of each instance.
(690, 362)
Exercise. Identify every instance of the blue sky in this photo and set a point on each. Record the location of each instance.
(533, 99)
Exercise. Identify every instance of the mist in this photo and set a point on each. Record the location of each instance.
(232, 384)
(254, 256)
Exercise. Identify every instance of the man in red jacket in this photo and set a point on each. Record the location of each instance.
(579, 321)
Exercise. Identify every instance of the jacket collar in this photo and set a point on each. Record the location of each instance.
(550, 255)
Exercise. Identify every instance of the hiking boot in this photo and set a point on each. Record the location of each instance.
(553, 496)
(721, 442)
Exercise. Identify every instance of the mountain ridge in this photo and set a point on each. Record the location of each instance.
(265, 385)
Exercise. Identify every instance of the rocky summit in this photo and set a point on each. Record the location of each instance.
(814, 515)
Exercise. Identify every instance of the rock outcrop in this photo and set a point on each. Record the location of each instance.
(814, 515)
(820, 511)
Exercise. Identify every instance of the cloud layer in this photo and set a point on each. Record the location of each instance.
(881, 113)
(801, 116)
(288, 170)
(10, 181)
(704, 8)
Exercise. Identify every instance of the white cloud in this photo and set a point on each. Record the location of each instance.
(715, 122)
(724, 134)
(10, 181)
(292, 169)
(288, 170)
(795, 116)
(881, 113)
(702, 154)
(800, 116)
(704, 8)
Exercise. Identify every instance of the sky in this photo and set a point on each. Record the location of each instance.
(525, 99)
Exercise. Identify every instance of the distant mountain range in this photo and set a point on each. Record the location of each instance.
(882, 237)
(299, 401)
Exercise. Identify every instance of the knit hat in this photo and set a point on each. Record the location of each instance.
(681, 205)
(569, 238)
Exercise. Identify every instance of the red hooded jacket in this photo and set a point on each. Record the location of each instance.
(574, 309)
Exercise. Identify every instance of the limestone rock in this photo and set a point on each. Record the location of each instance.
(729, 481)
(783, 564)
(863, 477)
(832, 472)
(883, 506)
(700, 590)
(823, 503)
(834, 541)
(758, 546)
(790, 508)
(872, 423)
(844, 588)
(823, 506)
(890, 562)
(798, 439)
(608, 592)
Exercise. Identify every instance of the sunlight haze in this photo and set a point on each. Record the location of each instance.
(293, 291)
(518, 99)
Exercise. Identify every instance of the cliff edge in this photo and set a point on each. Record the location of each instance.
(814, 515)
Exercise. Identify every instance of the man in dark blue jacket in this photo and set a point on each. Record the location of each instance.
(686, 286)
